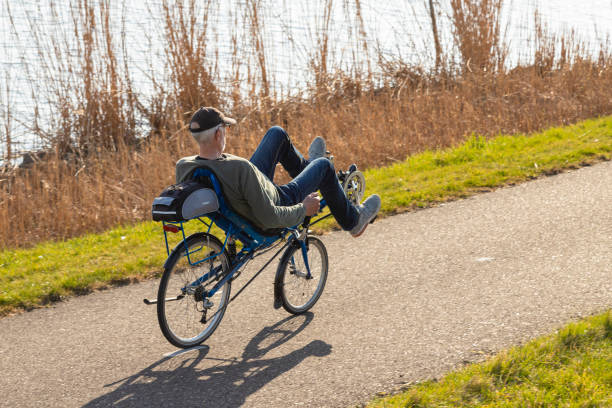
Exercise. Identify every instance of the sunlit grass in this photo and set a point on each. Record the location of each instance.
(572, 368)
(480, 165)
(50, 271)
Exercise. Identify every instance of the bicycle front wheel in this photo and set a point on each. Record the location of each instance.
(187, 315)
(298, 290)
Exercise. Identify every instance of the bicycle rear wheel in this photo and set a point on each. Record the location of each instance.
(298, 291)
(186, 315)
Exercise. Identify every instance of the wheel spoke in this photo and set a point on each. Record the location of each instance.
(300, 293)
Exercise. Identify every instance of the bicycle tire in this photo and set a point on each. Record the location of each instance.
(181, 321)
(291, 282)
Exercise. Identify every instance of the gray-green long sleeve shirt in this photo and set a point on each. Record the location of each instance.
(247, 190)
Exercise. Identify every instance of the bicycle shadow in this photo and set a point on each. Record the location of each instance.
(177, 381)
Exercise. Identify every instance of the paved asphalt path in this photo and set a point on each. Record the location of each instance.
(416, 296)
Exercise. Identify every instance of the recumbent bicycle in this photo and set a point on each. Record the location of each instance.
(194, 290)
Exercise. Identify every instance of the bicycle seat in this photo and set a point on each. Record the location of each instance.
(203, 176)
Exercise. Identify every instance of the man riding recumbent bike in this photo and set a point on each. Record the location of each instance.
(257, 216)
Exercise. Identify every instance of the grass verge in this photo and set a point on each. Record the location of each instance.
(47, 272)
(571, 368)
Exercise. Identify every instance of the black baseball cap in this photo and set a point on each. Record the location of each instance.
(207, 118)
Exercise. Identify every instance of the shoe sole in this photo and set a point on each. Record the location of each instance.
(315, 156)
(366, 226)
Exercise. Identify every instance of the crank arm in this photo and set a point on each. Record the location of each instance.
(152, 302)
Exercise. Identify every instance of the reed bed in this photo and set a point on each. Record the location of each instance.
(102, 166)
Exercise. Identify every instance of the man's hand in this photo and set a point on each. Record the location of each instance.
(311, 204)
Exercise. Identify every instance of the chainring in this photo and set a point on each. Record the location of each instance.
(354, 186)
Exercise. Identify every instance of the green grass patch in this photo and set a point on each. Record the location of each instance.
(572, 368)
(49, 271)
(481, 165)
(46, 273)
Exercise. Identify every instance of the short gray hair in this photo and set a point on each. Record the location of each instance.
(206, 136)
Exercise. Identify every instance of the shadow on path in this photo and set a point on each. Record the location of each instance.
(177, 381)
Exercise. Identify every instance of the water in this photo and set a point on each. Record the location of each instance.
(396, 28)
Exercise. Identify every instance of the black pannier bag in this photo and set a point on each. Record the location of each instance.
(184, 201)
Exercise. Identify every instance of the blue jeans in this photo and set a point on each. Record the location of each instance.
(308, 176)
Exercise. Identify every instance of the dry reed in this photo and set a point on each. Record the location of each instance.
(368, 119)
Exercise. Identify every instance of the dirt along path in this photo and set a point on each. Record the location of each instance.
(416, 296)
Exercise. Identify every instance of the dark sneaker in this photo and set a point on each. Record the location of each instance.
(317, 148)
(368, 210)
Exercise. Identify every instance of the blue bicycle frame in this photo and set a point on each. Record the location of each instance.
(236, 228)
